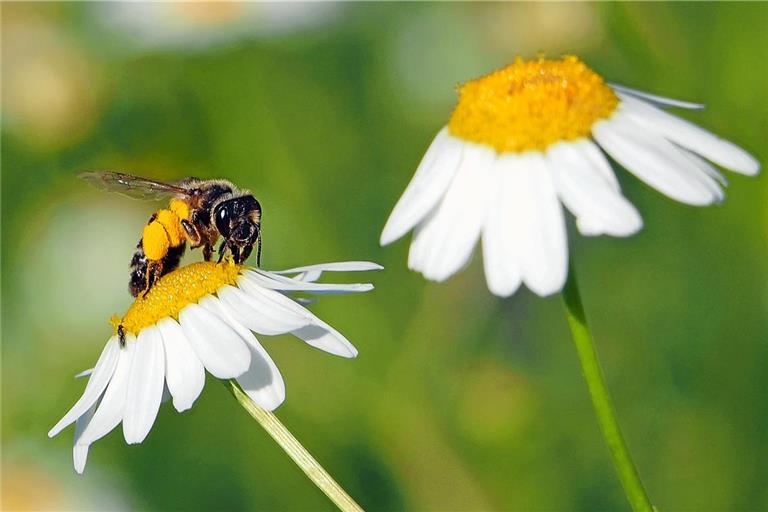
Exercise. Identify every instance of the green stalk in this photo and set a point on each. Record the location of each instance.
(601, 400)
(295, 450)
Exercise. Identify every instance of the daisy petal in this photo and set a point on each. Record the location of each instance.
(447, 238)
(313, 331)
(262, 381)
(500, 258)
(655, 160)
(326, 338)
(79, 450)
(184, 373)
(281, 283)
(84, 373)
(659, 100)
(145, 386)
(428, 185)
(341, 266)
(112, 406)
(599, 208)
(222, 351)
(535, 223)
(257, 314)
(690, 136)
(103, 371)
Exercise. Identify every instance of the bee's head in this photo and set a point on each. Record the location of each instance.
(238, 220)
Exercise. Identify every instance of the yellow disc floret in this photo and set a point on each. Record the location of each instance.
(172, 292)
(531, 104)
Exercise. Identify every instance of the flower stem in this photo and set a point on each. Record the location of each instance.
(601, 400)
(295, 450)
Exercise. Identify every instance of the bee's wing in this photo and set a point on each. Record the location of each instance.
(131, 186)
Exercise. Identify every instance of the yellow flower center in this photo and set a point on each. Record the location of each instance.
(531, 104)
(172, 292)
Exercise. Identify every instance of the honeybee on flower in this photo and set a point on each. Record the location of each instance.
(201, 317)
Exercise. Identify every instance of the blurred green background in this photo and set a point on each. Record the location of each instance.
(458, 400)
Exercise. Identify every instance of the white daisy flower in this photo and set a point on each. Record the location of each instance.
(198, 318)
(526, 138)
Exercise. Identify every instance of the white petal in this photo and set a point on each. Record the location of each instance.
(222, 351)
(80, 450)
(263, 381)
(84, 373)
(259, 315)
(310, 276)
(500, 259)
(599, 208)
(184, 373)
(340, 266)
(535, 222)
(103, 371)
(427, 186)
(145, 386)
(659, 100)
(690, 136)
(326, 338)
(282, 283)
(447, 238)
(313, 330)
(112, 406)
(655, 160)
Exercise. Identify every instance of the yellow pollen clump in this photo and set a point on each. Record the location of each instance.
(172, 292)
(531, 104)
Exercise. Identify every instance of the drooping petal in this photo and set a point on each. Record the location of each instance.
(145, 385)
(653, 98)
(426, 188)
(599, 208)
(98, 381)
(112, 406)
(535, 222)
(500, 258)
(340, 266)
(259, 315)
(446, 240)
(80, 450)
(282, 283)
(313, 331)
(326, 338)
(655, 160)
(220, 348)
(262, 381)
(184, 372)
(690, 136)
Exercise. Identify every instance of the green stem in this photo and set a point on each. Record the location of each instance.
(295, 450)
(601, 400)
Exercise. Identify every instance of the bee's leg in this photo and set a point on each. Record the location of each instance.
(235, 253)
(121, 335)
(192, 233)
(246, 252)
(222, 250)
(258, 251)
(207, 252)
(154, 270)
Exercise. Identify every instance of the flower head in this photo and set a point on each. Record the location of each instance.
(526, 138)
(197, 318)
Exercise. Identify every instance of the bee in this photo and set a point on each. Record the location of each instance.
(199, 212)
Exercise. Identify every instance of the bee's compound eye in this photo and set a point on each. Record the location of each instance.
(222, 215)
